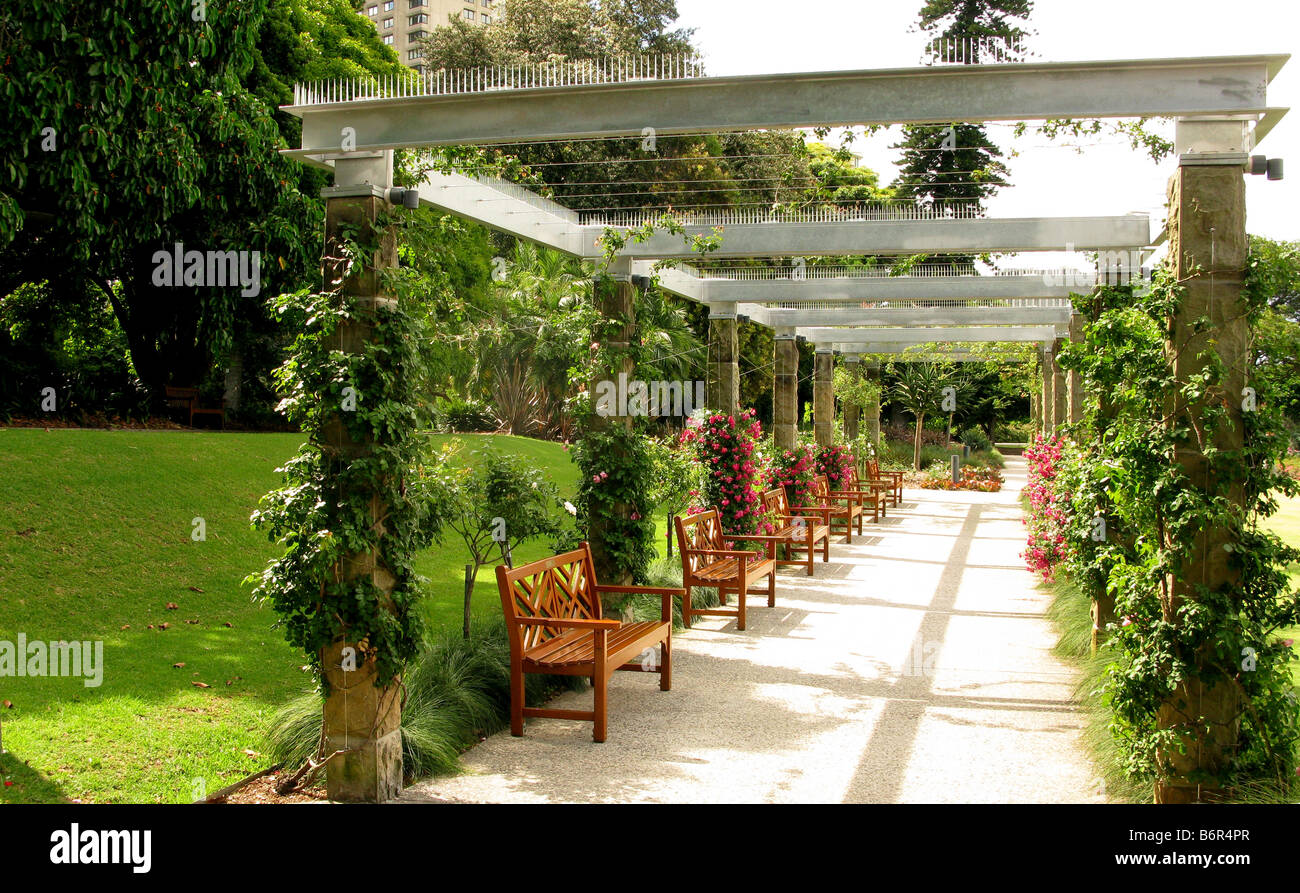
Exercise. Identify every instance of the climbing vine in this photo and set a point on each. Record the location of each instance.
(337, 504)
(1130, 514)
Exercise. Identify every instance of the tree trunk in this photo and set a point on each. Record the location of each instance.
(471, 572)
(916, 443)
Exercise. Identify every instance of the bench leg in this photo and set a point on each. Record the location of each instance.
(686, 607)
(600, 682)
(860, 514)
(848, 530)
(771, 588)
(666, 665)
(516, 702)
(812, 551)
(826, 548)
(740, 604)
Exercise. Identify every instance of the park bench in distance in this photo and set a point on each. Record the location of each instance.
(894, 478)
(876, 493)
(705, 562)
(187, 401)
(799, 534)
(553, 619)
(833, 508)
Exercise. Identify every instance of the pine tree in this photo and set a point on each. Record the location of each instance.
(959, 162)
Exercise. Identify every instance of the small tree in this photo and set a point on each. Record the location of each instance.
(495, 504)
(920, 389)
(677, 479)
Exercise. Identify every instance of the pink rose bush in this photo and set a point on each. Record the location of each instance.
(1046, 519)
(795, 470)
(727, 448)
(835, 461)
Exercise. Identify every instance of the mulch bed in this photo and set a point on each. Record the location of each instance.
(262, 790)
(92, 420)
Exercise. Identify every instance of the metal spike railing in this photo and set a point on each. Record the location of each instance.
(524, 76)
(943, 210)
(973, 51)
(917, 271)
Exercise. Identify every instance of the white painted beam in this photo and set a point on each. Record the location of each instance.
(890, 288)
(1231, 85)
(932, 316)
(905, 336)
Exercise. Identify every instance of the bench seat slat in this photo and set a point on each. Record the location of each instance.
(578, 646)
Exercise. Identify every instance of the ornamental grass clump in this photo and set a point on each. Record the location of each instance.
(727, 448)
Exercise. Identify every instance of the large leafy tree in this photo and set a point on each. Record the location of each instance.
(138, 124)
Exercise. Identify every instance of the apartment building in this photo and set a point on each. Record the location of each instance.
(401, 23)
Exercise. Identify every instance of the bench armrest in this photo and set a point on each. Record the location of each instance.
(822, 510)
(734, 553)
(666, 594)
(570, 622)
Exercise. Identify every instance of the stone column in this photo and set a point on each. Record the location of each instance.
(615, 298)
(1074, 383)
(724, 356)
(852, 412)
(362, 721)
(1060, 404)
(872, 372)
(1207, 247)
(824, 395)
(785, 389)
(1035, 398)
(1047, 399)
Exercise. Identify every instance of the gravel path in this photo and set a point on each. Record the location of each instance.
(915, 667)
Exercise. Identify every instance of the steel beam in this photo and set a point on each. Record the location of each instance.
(902, 337)
(1229, 85)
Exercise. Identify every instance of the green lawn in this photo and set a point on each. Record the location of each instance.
(95, 544)
(1286, 524)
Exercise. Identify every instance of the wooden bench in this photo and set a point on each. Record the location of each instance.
(555, 625)
(875, 493)
(833, 508)
(187, 400)
(894, 478)
(798, 534)
(705, 562)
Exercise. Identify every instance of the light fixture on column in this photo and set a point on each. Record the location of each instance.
(1260, 164)
(640, 282)
(407, 198)
(740, 317)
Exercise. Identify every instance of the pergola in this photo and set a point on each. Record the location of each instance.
(1221, 112)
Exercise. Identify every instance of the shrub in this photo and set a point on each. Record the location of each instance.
(976, 439)
(795, 470)
(835, 461)
(468, 415)
(1046, 518)
(726, 447)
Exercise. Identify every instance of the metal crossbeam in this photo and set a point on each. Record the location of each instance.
(937, 335)
(1230, 85)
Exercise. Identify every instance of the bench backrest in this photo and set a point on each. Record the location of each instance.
(776, 502)
(696, 532)
(561, 586)
(822, 489)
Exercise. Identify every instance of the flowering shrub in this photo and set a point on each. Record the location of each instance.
(986, 480)
(795, 470)
(1047, 517)
(727, 448)
(835, 461)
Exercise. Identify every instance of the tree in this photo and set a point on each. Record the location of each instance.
(145, 137)
(919, 389)
(495, 503)
(958, 162)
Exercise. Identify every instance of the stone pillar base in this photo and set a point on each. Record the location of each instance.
(363, 726)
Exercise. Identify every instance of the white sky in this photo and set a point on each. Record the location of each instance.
(756, 36)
